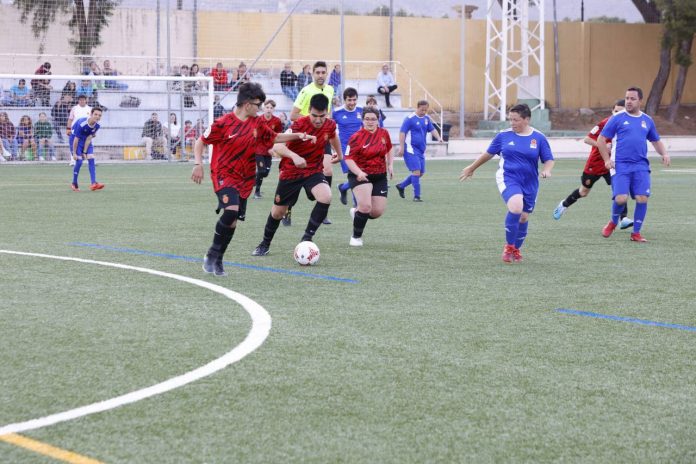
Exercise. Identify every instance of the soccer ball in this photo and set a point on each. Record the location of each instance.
(307, 253)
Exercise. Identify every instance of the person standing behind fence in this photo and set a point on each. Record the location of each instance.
(42, 87)
(304, 78)
(219, 75)
(386, 83)
(336, 83)
(83, 131)
(288, 82)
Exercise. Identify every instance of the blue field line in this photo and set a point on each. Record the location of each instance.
(199, 260)
(632, 320)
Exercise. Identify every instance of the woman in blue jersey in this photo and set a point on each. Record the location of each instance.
(520, 149)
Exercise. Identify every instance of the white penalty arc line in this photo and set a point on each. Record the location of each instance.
(261, 326)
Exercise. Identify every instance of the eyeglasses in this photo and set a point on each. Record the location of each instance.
(258, 104)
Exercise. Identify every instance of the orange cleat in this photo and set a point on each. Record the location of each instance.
(608, 229)
(96, 186)
(516, 255)
(509, 253)
(74, 188)
(636, 237)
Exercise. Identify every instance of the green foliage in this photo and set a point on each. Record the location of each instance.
(86, 24)
(606, 19)
(679, 19)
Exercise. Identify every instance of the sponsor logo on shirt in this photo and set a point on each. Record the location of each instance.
(225, 199)
(511, 143)
(626, 123)
(643, 125)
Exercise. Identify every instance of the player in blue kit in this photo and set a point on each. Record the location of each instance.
(83, 131)
(349, 121)
(520, 149)
(413, 133)
(632, 128)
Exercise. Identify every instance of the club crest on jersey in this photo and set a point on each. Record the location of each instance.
(533, 143)
(384, 141)
(326, 138)
(643, 125)
(277, 198)
(255, 132)
(225, 199)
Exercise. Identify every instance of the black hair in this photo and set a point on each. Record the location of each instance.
(422, 103)
(636, 89)
(370, 110)
(250, 91)
(523, 110)
(621, 102)
(319, 102)
(350, 92)
(319, 64)
(96, 108)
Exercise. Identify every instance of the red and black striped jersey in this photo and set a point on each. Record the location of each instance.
(595, 162)
(312, 152)
(235, 142)
(276, 125)
(369, 149)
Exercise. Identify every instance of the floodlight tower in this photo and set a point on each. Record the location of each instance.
(515, 47)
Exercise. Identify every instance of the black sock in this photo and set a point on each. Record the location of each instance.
(624, 213)
(270, 229)
(359, 223)
(223, 236)
(315, 219)
(259, 181)
(329, 179)
(572, 198)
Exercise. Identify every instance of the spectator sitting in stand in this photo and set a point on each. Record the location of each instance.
(335, 82)
(188, 87)
(284, 119)
(43, 131)
(304, 78)
(60, 113)
(153, 135)
(288, 82)
(190, 136)
(42, 87)
(25, 137)
(107, 70)
(386, 83)
(240, 77)
(7, 135)
(19, 95)
(173, 133)
(218, 109)
(87, 89)
(196, 72)
(219, 75)
(95, 71)
(70, 89)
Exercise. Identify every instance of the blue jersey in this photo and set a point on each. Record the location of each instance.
(520, 155)
(80, 131)
(631, 148)
(348, 122)
(416, 130)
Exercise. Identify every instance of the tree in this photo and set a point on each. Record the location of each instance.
(86, 24)
(683, 26)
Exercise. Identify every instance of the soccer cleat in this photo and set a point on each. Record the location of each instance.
(558, 212)
(261, 250)
(287, 221)
(344, 195)
(625, 223)
(401, 191)
(636, 237)
(74, 188)
(356, 242)
(417, 199)
(516, 255)
(326, 221)
(96, 186)
(608, 229)
(218, 268)
(257, 195)
(208, 264)
(509, 253)
(352, 213)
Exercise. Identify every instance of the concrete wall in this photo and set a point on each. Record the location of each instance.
(598, 61)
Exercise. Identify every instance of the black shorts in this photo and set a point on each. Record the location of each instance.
(378, 181)
(263, 163)
(288, 191)
(327, 148)
(588, 180)
(229, 196)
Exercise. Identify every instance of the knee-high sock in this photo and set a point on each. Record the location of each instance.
(406, 182)
(639, 216)
(344, 186)
(415, 180)
(616, 212)
(359, 222)
(259, 180)
(222, 237)
(572, 198)
(92, 170)
(270, 229)
(521, 234)
(76, 170)
(624, 213)
(512, 225)
(318, 215)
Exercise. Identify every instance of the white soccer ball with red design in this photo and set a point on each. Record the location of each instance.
(307, 253)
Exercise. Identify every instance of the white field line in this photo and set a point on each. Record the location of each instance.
(260, 328)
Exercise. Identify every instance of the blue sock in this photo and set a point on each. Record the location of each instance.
(616, 210)
(92, 170)
(521, 234)
(639, 215)
(415, 180)
(406, 182)
(512, 225)
(344, 186)
(76, 170)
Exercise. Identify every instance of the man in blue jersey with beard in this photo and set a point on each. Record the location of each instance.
(416, 126)
(632, 128)
(349, 120)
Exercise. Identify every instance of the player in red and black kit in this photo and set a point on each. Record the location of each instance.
(263, 158)
(369, 160)
(594, 170)
(301, 167)
(235, 138)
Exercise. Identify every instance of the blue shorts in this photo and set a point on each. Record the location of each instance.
(509, 187)
(631, 183)
(415, 162)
